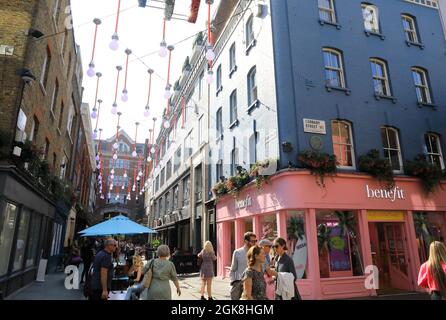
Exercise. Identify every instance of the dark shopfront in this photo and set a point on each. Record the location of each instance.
(29, 230)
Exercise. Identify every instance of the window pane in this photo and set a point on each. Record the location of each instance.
(8, 216)
(394, 157)
(21, 240)
(393, 139)
(297, 241)
(33, 241)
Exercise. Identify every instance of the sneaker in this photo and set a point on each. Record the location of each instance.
(203, 298)
(210, 298)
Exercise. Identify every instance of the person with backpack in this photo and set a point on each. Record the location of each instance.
(432, 273)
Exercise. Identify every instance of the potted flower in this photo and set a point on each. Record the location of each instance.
(429, 174)
(377, 167)
(220, 189)
(320, 164)
(261, 171)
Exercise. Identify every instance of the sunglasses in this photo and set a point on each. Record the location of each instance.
(253, 241)
(276, 246)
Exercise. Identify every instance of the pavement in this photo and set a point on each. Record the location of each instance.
(53, 288)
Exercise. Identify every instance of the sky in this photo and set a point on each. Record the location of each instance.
(140, 30)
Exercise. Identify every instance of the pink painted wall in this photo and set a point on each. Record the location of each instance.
(293, 190)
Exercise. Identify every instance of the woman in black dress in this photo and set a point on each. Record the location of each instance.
(283, 263)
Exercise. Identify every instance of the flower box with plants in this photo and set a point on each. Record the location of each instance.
(261, 171)
(220, 189)
(320, 164)
(429, 174)
(377, 167)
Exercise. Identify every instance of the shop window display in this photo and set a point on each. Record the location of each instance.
(8, 218)
(269, 228)
(21, 240)
(297, 241)
(429, 227)
(338, 244)
(248, 225)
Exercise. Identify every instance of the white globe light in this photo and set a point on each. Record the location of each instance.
(112, 171)
(125, 174)
(146, 113)
(210, 77)
(168, 93)
(163, 50)
(166, 124)
(134, 154)
(140, 173)
(114, 109)
(136, 197)
(102, 197)
(111, 187)
(90, 72)
(98, 158)
(117, 198)
(152, 150)
(210, 54)
(115, 156)
(115, 146)
(112, 177)
(138, 178)
(149, 159)
(122, 187)
(124, 97)
(99, 177)
(114, 44)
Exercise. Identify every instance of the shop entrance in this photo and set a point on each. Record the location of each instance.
(390, 255)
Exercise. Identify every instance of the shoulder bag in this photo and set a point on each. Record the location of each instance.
(147, 280)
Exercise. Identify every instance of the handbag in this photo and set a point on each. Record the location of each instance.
(147, 280)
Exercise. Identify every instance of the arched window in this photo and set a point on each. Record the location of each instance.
(433, 149)
(419, 76)
(410, 28)
(392, 149)
(233, 106)
(342, 138)
(371, 17)
(252, 86)
(380, 75)
(334, 70)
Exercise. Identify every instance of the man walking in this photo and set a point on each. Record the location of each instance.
(239, 264)
(103, 271)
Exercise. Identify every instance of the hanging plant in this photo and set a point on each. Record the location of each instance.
(320, 165)
(429, 174)
(220, 189)
(256, 173)
(377, 167)
(295, 229)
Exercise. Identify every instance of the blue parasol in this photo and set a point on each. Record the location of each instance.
(118, 225)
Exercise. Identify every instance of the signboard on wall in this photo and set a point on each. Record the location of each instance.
(395, 216)
(314, 126)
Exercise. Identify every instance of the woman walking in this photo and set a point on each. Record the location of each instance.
(207, 257)
(254, 285)
(285, 273)
(433, 272)
(163, 271)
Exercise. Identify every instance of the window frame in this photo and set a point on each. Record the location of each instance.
(400, 155)
(340, 70)
(385, 78)
(375, 8)
(429, 150)
(411, 20)
(249, 33)
(232, 59)
(233, 112)
(251, 84)
(352, 145)
(425, 86)
(330, 11)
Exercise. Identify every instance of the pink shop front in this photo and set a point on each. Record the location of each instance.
(387, 231)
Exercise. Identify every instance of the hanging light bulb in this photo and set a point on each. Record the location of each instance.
(95, 134)
(168, 93)
(114, 109)
(149, 159)
(140, 173)
(122, 187)
(134, 154)
(115, 156)
(111, 187)
(98, 166)
(134, 188)
(210, 54)
(210, 77)
(138, 178)
(94, 114)
(98, 158)
(142, 190)
(112, 177)
(124, 97)
(166, 123)
(152, 150)
(115, 146)
(112, 171)
(146, 112)
(136, 197)
(114, 44)
(90, 72)
(163, 49)
(117, 197)
(125, 174)
(102, 197)
(146, 184)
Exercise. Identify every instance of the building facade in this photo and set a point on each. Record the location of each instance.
(40, 101)
(342, 79)
(122, 179)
